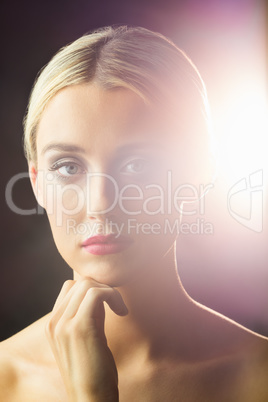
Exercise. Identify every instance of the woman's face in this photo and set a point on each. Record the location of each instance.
(106, 165)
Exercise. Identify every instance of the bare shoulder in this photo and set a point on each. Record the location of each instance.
(253, 378)
(245, 371)
(241, 364)
(25, 364)
(8, 375)
(13, 358)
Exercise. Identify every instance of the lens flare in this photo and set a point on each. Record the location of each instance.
(243, 145)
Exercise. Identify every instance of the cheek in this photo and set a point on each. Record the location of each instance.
(65, 207)
(152, 219)
(63, 202)
(67, 231)
(153, 202)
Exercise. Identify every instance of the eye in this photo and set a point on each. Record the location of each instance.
(136, 166)
(67, 169)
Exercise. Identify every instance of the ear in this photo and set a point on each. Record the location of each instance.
(37, 184)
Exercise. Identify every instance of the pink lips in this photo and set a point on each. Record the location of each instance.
(108, 244)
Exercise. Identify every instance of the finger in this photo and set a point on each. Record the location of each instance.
(76, 297)
(64, 299)
(64, 291)
(95, 296)
(69, 303)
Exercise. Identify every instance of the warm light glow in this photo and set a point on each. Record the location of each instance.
(243, 143)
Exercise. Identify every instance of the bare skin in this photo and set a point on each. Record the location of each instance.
(124, 328)
(223, 362)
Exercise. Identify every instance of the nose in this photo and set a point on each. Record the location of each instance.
(102, 195)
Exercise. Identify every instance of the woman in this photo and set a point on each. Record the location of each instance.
(117, 140)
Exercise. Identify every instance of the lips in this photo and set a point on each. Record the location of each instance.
(108, 244)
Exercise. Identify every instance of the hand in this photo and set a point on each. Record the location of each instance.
(76, 334)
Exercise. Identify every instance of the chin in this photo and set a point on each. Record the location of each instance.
(110, 273)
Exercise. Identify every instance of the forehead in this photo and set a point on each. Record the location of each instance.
(92, 110)
(91, 116)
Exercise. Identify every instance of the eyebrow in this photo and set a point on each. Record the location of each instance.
(56, 146)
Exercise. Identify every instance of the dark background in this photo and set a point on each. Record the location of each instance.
(226, 271)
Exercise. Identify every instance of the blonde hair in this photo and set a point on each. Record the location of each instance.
(136, 58)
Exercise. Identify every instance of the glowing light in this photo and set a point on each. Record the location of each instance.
(244, 137)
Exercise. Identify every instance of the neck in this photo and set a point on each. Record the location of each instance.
(157, 304)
